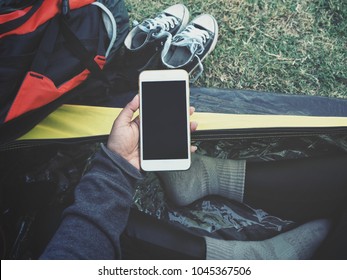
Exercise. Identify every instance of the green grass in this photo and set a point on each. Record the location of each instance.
(283, 46)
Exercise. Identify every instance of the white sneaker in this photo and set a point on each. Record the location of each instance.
(191, 46)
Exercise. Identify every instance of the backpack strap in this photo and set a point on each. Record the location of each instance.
(80, 51)
(46, 46)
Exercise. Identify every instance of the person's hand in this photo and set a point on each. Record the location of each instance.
(124, 136)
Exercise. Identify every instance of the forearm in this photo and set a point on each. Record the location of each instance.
(91, 226)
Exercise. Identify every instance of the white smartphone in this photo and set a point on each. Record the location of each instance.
(164, 120)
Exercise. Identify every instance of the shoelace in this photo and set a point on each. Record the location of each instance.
(161, 23)
(193, 38)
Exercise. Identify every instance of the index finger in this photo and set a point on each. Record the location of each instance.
(191, 110)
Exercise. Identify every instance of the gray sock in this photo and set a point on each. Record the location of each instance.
(299, 243)
(206, 176)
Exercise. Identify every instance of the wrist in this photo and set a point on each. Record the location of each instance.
(131, 158)
(127, 165)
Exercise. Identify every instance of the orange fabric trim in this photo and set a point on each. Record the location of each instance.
(38, 90)
(13, 15)
(48, 10)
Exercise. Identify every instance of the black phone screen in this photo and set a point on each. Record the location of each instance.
(164, 120)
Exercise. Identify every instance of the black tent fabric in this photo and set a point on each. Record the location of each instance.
(256, 102)
(38, 177)
(246, 102)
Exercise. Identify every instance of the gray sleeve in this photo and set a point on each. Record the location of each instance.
(91, 226)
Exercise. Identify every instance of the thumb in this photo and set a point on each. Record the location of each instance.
(127, 113)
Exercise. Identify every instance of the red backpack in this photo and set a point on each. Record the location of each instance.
(50, 48)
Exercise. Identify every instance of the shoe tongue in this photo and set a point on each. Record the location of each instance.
(183, 41)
